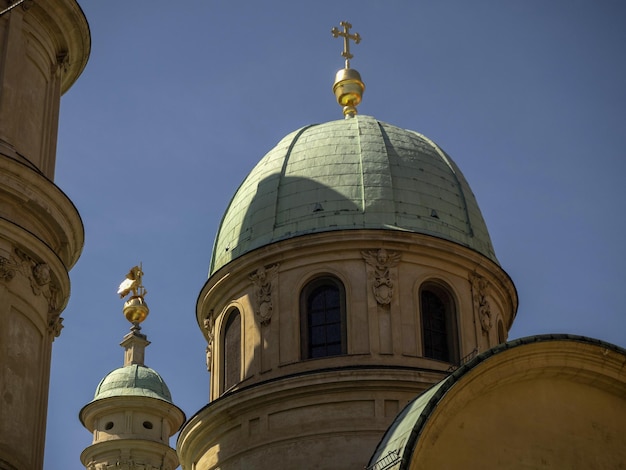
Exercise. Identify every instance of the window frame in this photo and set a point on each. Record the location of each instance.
(501, 331)
(305, 329)
(225, 369)
(451, 321)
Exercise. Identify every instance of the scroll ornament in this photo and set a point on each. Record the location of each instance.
(262, 279)
(481, 304)
(209, 326)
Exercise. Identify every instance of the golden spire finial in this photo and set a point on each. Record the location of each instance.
(348, 86)
(135, 308)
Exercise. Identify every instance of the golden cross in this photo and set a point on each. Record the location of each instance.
(345, 34)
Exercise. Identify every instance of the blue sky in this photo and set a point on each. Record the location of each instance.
(180, 99)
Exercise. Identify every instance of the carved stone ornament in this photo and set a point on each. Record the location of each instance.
(381, 262)
(262, 279)
(61, 65)
(124, 464)
(41, 283)
(209, 326)
(55, 325)
(27, 4)
(7, 269)
(481, 304)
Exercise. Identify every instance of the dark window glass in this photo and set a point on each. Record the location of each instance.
(438, 325)
(323, 319)
(232, 350)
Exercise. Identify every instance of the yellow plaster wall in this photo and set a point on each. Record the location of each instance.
(555, 405)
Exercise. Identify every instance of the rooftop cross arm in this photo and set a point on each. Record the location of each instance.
(345, 34)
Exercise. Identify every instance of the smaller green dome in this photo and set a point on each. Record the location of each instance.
(133, 380)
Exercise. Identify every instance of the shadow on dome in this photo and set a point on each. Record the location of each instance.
(284, 207)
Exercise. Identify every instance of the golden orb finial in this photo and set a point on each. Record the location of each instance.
(135, 308)
(348, 87)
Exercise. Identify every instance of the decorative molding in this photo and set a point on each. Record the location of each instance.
(55, 325)
(262, 279)
(209, 327)
(480, 285)
(381, 262)
(125, 464)
(62, 64)
(7, 269)
(41, 283)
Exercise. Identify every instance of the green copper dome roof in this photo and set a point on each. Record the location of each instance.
(356, 173)
(133, 380)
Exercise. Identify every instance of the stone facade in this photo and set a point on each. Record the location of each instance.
(44, 47)
(131, 433)
(330, 412)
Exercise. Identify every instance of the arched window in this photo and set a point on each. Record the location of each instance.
(323, 319)
(439, 330)
(501, 332)
(232, 350)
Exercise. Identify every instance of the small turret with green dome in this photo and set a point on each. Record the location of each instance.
(132, 415)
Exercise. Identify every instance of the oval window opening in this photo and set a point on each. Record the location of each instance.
(147, 424)
(108, 426)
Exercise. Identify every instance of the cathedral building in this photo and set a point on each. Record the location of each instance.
(352, 273)
(355, 314)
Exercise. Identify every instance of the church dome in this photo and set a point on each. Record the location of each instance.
(356, 173)
(133, 380)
